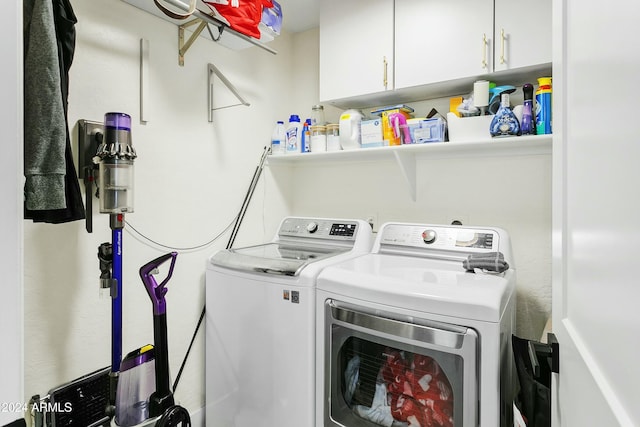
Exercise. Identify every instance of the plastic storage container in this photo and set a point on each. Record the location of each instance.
(318, 138)
(468, 129)
(333, 137)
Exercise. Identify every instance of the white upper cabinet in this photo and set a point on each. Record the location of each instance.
(356, 48)
(384, 51)
(522, 33)
(439, 40)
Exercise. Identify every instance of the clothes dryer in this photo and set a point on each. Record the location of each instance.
(260, 322)
(413, 335)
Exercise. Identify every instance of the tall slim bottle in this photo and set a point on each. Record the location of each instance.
(543, 106)
(527, 126)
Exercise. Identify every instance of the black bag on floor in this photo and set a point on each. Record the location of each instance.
(533, 366)
(17, 423)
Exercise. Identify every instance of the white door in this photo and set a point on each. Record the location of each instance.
(596, 219)
(11, 313)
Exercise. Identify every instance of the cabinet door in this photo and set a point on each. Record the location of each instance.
(439, 40)
(522, 33)
(356, 38)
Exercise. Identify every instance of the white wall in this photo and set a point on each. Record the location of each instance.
(11, 307)
(191, 177)
(512, 192)
(508, 192)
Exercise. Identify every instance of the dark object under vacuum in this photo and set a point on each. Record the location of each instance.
(18, 423)
(81, 402)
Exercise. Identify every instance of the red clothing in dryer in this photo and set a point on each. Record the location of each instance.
(419, 391)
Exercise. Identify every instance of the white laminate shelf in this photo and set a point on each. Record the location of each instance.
(512, 146)
(406, 155)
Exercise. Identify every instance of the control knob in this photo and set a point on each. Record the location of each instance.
(429, 236)
(312, 227)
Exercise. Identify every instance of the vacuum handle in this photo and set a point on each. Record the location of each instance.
(157, 291)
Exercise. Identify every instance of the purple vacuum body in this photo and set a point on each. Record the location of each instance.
(162, 398)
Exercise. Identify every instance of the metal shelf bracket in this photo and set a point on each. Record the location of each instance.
(211, 71)
(205, 18)
(183, 46)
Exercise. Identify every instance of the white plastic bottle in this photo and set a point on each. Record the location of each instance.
(278, 139)
(294, 134)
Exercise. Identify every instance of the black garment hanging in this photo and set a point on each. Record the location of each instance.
(65, 21)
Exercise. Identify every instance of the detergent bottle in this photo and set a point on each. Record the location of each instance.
(350, 129)
(278, 139)
(504, 122)
(294, 134)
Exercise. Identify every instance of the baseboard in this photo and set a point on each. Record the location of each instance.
(198, 417)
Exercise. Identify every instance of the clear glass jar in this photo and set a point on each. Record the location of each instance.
(317, 115)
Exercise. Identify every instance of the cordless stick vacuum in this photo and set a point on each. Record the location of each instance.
(115, 156)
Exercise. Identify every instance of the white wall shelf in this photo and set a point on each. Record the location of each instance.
(406, 155)
(221, 33)
(511, 146)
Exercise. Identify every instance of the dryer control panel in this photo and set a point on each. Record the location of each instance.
(433, 237)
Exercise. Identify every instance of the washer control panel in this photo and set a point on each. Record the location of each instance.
(318, 228)
(427, 237)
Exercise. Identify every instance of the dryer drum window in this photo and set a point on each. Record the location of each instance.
(377, 378)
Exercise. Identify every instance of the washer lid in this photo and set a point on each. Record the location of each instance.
(420, 284)
(274, 258)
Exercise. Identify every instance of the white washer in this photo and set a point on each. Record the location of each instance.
(410, 337)
(260, 322)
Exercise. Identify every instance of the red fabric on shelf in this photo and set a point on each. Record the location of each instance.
(243, 18)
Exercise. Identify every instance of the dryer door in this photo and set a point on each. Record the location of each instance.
(390, 370)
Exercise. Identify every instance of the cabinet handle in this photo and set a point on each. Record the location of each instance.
(484, 51)
(502, 61)
(384, 72)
